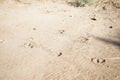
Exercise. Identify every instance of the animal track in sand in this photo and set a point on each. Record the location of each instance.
(61, 31)
(102, 60)
(34, 29)
(93, 17)
(30, 43)
(98, 60)
(2, 42)
(60, 53)
(82, 39)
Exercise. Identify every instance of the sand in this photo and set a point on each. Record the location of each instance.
(56, 41)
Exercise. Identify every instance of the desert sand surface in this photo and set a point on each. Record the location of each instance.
(56, 41)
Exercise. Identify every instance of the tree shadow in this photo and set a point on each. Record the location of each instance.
(113, 42)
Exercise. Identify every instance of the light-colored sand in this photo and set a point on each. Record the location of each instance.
(54, 41)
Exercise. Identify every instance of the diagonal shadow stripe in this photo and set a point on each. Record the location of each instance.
(113, 42)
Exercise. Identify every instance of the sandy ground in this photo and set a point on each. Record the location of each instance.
(55, 41)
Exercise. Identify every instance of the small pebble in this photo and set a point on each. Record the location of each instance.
(94, 19)
(104, 8)
(111, 27)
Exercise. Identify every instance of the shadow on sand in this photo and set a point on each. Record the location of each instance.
(113, 42)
